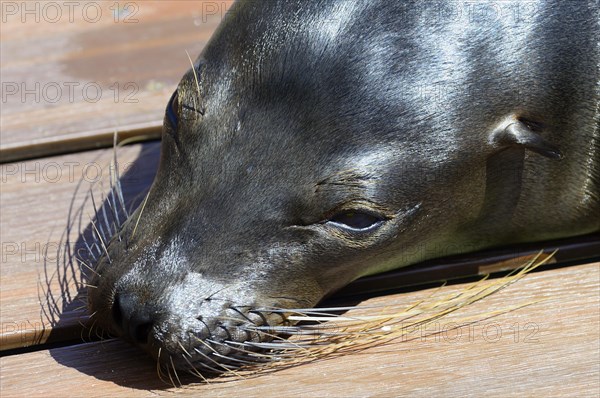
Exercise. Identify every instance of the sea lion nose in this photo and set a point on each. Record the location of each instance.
(134, 319)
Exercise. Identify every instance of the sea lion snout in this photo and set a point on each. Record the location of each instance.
(187, 322)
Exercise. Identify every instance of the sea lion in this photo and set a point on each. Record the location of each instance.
(315, 142)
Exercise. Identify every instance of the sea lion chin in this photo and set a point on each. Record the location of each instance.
(315, 142)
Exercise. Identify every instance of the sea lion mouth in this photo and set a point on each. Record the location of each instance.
(237, 338)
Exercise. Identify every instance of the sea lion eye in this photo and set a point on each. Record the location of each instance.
(356, 220)
(172, 108)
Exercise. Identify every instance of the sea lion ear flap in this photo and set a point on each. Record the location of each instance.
(518, 133)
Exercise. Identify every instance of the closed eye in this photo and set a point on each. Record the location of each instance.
(357, 221)
(171, 111)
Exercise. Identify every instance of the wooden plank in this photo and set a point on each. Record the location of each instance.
(551, 348)
(39, 301)
(90, 139)
(71, 69)
(38, 198)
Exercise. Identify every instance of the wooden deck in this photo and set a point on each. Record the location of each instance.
(55, 149)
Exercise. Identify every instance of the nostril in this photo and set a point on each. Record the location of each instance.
(117, 313)
(134, 319)
(139, 326)
(141, 332)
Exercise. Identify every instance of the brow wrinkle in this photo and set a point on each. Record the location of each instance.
(351, 178)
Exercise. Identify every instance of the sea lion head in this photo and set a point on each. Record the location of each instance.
(295, 159)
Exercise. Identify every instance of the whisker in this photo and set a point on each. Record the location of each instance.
(84, 264)
(208, 366)
(232, 345)
(278, 345)
(102, 242)
(183, 349)
(104, 217)
(174, 370)
(228, 346)
(195, 77)
(228, 358)
(140, 215)
(291, 330)
(114, 230)
(99, 232)
(90, 286)
(117, 175)
(159, 367)
(195, 371)
(89, 249)
(225, 367)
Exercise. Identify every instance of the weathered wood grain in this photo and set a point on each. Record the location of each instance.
(551, 348)
(68, 71)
